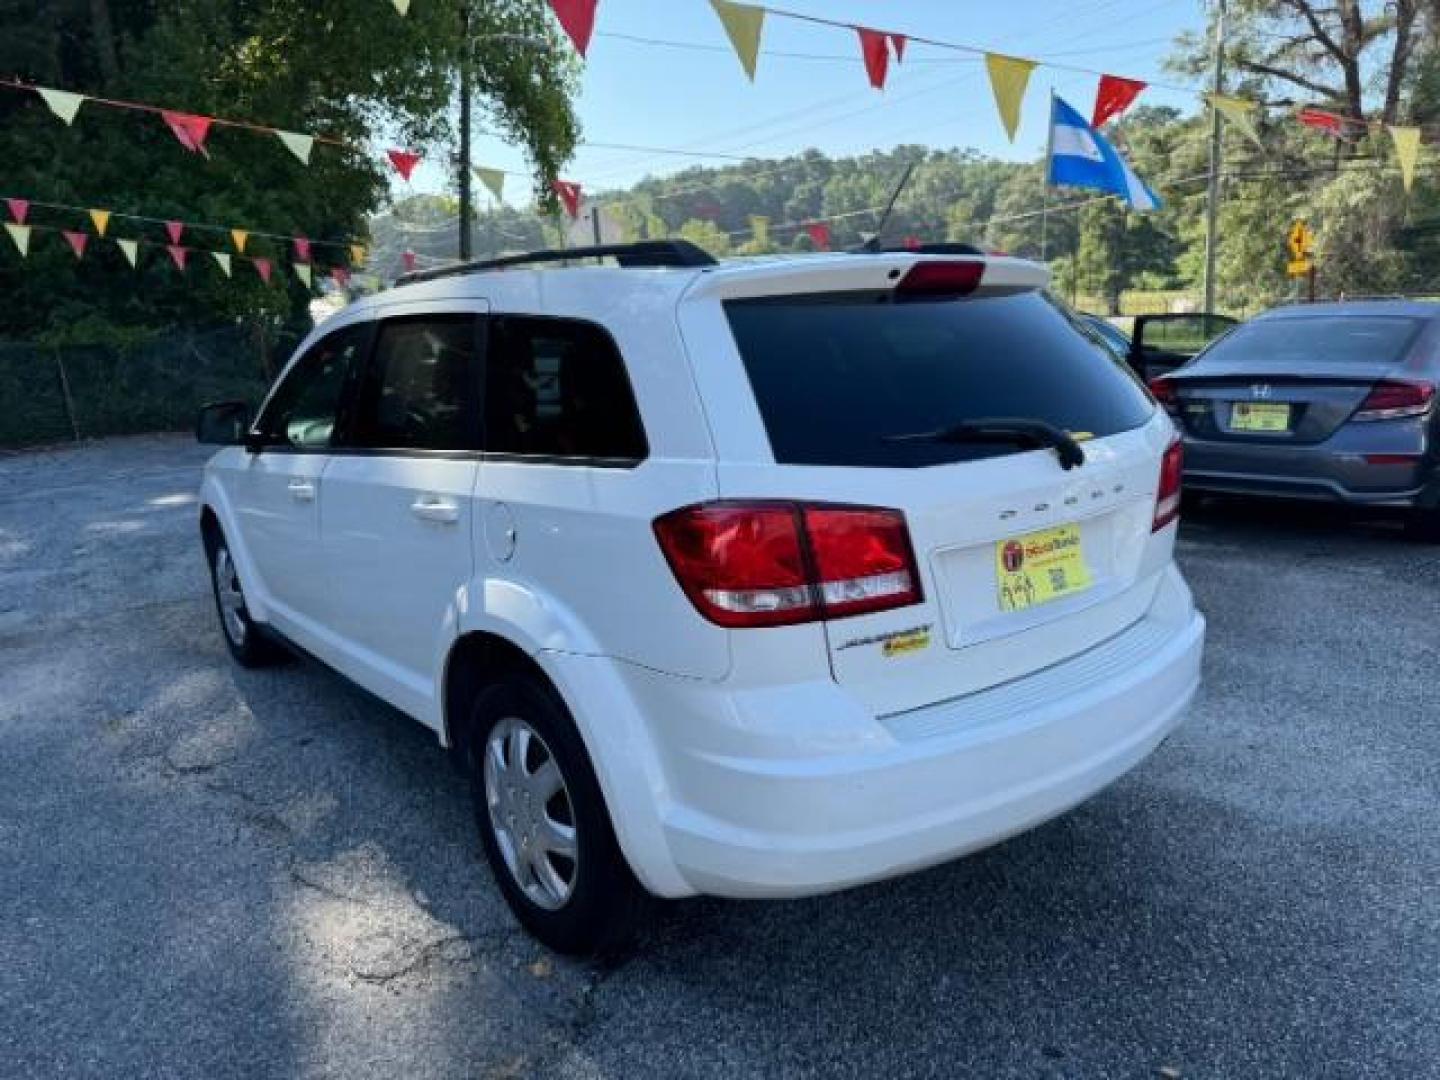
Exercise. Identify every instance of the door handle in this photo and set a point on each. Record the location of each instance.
(302, 490)
(431, 508)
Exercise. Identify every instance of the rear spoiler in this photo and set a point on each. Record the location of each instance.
(999, 275)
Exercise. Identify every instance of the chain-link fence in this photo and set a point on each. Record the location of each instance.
(87, 391)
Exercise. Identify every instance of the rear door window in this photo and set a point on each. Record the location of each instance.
(837, 376)
(422, 389)
(556, 389)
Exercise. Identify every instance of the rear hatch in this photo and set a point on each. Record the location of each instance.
(1292, 379)
(1022, 561)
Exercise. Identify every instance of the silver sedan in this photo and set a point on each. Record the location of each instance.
(1329, 401)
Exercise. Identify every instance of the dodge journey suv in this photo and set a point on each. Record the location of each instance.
(754, 579)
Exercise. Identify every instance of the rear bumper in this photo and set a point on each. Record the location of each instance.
(929, 785)
(1333, 471)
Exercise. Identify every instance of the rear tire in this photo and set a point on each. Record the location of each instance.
(244, 638)
(1423, 524)
(544, 824)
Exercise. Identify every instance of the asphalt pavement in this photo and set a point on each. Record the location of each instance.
(209, 872)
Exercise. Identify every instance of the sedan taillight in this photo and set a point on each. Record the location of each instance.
(746, 564)
(1394, 399)
(1164, 391)
(1167, 496)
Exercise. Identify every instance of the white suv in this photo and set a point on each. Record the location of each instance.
(762, 578)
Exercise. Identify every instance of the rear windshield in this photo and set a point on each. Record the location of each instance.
(835, 375)
(1377, 340)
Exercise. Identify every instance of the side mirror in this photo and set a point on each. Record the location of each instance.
(223, 423)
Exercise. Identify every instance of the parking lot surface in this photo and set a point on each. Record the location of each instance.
(211, 872)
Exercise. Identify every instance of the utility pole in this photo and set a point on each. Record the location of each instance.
(463, 162)
(1212, 200)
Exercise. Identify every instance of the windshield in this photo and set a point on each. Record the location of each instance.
(837, 376)
(1341, 339)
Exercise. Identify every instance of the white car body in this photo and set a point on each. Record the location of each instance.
(741, 762)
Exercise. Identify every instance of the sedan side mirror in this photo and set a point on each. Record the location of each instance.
(223, 423)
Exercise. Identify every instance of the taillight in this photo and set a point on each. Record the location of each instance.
(941, 279)
(778, 563)
(1164, 391)
(1392, 399)
(1167, 497)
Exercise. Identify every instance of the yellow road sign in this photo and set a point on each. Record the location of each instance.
(1299, 267)
(1300, 239)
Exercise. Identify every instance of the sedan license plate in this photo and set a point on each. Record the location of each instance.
(1259, 416)
(1039, 567)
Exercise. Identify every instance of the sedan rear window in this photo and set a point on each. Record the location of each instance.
(838, 376)
(1378, 340)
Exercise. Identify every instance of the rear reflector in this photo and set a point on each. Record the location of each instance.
(1391, 459)
(1167, 496)
(745, 564)
(1392, 399)
(941, 279)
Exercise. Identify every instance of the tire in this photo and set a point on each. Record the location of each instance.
(546, 832)
(1423, 524)
(244, 638)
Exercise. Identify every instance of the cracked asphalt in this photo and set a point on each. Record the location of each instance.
(207, 872)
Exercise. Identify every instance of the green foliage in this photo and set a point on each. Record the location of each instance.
(352, 71)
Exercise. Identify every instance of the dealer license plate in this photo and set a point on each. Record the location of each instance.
(1039, 567)
(1259, 416)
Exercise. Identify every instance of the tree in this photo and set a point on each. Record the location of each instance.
(356, 72)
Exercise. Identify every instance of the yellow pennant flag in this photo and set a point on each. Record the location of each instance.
(1009, 75)
(302, 271)
(130, 249)
(493, 179)
(223, 260)
(21, 235)
(743, 24)
(239, 236)
(1239, 112)
(357, 254)
(1407, 150)
(101, 218)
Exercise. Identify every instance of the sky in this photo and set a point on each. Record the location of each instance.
(698, 99)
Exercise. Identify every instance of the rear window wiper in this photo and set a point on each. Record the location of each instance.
(1019, 431)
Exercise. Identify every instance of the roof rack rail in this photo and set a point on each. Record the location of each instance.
(640, 253)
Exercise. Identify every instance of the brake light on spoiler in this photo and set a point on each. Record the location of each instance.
(777, 563)
(941, 279)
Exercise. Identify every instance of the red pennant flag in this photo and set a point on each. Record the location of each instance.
(569, 193)
(174, 229)
(262, 267)
(819, 235)
(1321, 120)
(77, 241)
(340, 276)
(18, 209)
(912, 242)
(875, 47)
(404, 161)
(577, 19)
(899, 40)
(177, 255)
(1113, 96)
(408, 258)
(302, 249)
(188, 128)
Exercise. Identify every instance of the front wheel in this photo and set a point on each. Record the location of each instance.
(244, 639)
(543, 821)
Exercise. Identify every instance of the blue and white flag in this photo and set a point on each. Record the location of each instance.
(1081, 157)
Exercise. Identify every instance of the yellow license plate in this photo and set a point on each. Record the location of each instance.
(1259, 416)
(1039, 567)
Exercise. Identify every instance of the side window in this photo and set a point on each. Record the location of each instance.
(305, 407)
(420, 392)
(557, 388)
